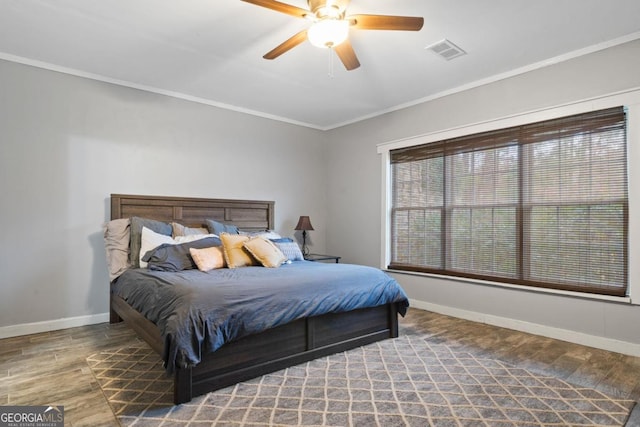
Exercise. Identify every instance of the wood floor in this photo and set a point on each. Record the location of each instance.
(50, 368)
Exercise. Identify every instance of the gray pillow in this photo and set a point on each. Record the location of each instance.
(136, 235)
(218, 228)
(168, 257)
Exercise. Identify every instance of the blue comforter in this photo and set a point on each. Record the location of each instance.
(198, 311)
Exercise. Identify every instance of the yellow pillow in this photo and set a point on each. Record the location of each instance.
(208, 258)
(265, 251)
(234, 253)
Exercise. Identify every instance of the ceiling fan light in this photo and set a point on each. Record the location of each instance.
(328, 32)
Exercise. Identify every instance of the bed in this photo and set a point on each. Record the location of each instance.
(256, 353)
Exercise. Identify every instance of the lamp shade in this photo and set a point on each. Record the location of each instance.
(328, 33)
(304, 223)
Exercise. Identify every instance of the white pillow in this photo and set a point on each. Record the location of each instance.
(193, 237)
(266, 234)
(151, 240)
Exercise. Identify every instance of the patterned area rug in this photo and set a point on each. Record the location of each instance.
(402, 382)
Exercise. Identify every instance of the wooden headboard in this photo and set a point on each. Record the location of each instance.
(192, 212)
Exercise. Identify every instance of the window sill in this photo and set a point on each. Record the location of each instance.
(581, 295)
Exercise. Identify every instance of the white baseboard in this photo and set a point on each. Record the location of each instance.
(603, 343)
(52, 325)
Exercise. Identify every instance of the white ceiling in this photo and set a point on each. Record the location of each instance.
(211, 51)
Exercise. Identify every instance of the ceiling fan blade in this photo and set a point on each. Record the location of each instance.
(287, 45)
(385, 22)
(280, 7)
(347, 55)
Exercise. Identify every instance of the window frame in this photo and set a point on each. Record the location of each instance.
(630, 99)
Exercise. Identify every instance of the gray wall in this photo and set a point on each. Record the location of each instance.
(354, 208)
(67, 143)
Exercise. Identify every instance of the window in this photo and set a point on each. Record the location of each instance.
(544, 204)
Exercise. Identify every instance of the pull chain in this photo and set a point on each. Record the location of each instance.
(330, 62)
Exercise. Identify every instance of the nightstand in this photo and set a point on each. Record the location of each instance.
(320, 257)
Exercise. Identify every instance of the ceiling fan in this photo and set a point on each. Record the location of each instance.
(330, 28)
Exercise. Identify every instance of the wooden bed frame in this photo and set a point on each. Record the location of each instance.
(255, 355)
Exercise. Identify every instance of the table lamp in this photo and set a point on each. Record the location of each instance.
(304, 224)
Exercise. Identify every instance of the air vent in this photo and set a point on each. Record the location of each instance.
(446, 49)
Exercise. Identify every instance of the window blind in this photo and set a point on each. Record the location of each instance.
(543, 204)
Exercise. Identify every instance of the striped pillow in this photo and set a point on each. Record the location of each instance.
(290, 249)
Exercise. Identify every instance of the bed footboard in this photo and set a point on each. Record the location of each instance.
(287, 345)
(278, 348)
